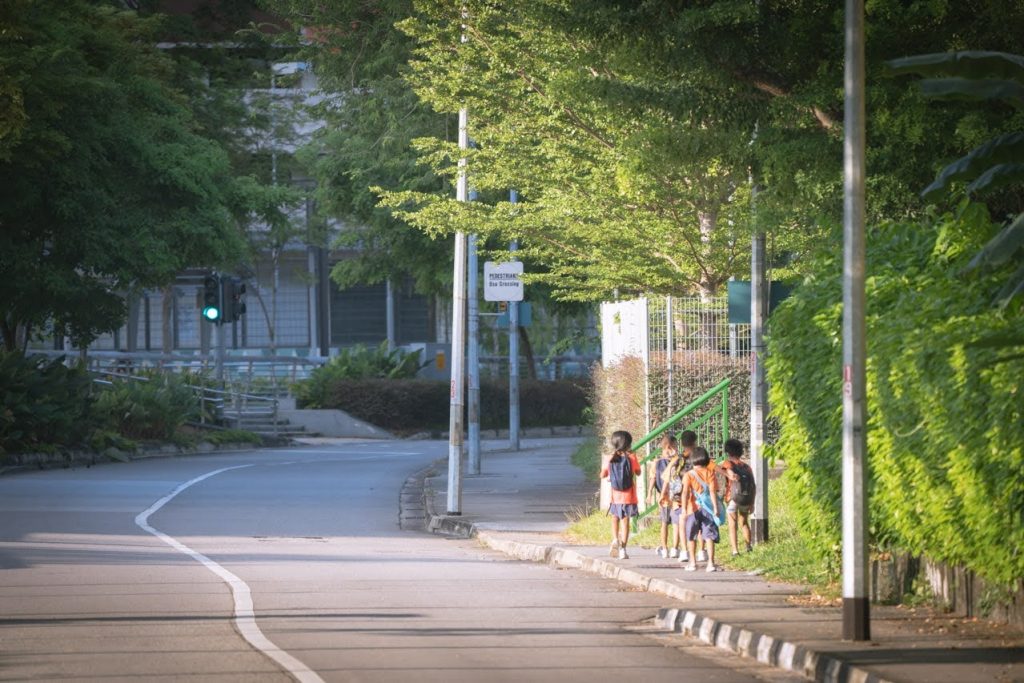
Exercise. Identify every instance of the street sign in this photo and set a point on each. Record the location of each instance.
(501, 281)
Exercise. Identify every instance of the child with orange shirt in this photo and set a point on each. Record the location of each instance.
(621, 468)
(699, 522)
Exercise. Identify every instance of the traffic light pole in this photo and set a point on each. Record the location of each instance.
(221, 351)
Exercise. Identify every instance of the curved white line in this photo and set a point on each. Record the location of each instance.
(245, 616)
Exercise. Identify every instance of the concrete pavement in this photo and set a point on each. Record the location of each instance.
(518, 505)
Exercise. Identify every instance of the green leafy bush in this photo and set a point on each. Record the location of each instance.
(417, 405)
(152, 409)
(43, 404)
(946, 417)
(357, 362)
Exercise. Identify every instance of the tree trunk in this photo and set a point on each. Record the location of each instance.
(8, 333)
(524, 342)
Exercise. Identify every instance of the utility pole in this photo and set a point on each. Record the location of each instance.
(458, 383)
(513, 356)
(758, 387)
(856, 617)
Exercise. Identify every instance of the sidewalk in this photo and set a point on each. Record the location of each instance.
(518, 504)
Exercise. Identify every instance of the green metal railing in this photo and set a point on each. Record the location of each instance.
(705, 426)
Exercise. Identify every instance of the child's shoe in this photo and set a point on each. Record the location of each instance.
(614, 550)
(692, 567)
(702, 555)
(673, 552)
(712, 568)
(684, 556)
(735, 553)
(662, 551)
(622, 554)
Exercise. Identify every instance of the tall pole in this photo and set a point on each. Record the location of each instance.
(758, 387)
(513, 356)
(473, 353)
(389, 314)
(458, 384)
(856, 618)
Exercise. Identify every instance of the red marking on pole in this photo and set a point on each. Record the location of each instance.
(453, 389)
(847, 380)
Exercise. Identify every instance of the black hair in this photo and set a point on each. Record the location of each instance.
(688, 439)
(621, 441)
(734, 447)
(700, 457)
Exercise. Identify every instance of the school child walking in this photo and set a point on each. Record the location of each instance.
(621, 468)
(664, 466)
(739, 496)
(700, 522)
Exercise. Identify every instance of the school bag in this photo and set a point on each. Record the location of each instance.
(659, 473)
(620, 472)
(703, 497)
(675, 482)
(742, 490)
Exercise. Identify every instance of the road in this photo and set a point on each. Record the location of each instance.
(136, 571)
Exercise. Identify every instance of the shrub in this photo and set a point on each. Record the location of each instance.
(152, 409)
(356, 363)
(416, 405)
(42, 403)
(946, 420)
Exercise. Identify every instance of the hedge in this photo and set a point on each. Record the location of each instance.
(423, 405)
(945, 400)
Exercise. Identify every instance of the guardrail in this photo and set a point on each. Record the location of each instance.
(217, 407)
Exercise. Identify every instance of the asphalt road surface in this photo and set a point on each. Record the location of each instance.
(290, 564)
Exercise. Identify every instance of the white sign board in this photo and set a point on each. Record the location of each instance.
(501, 281)
(623, 330)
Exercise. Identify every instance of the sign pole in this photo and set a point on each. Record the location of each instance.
(513, 356)
(856, 617)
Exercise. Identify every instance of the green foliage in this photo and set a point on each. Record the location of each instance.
(588, 458)
(986, 77)
(222, 436)
(423, 405)
(946, 437)
(147, 410)
(105, 184)
(356, 362)
(42, 403)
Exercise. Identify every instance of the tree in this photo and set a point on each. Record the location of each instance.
(106, 186)
(371, 118)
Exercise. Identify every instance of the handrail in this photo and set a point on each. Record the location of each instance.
(690, 407)
(722, 388)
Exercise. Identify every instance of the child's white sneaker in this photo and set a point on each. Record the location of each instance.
(702, 555)
(613, 551)
(662, 551)
(692, 567)
(622, 554)
(673, 552)
(684, 556)
(711, 568)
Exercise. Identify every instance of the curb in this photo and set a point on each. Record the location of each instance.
(34, 462)
(774, 652)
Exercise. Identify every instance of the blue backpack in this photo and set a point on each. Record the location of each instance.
(703, 498)
(620, 472)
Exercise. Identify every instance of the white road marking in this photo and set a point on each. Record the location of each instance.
(245, 616)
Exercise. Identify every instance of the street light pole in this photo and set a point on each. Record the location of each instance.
(856, 618)
(458, 382)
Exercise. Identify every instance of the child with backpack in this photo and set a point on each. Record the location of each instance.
(621, 468)
(664, 465)
(700, 497)
(740, 493)
(672, 492)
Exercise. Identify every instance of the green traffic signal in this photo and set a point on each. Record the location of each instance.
(213, 309)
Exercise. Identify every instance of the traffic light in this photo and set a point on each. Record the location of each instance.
(213, 305)
(234, 306)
